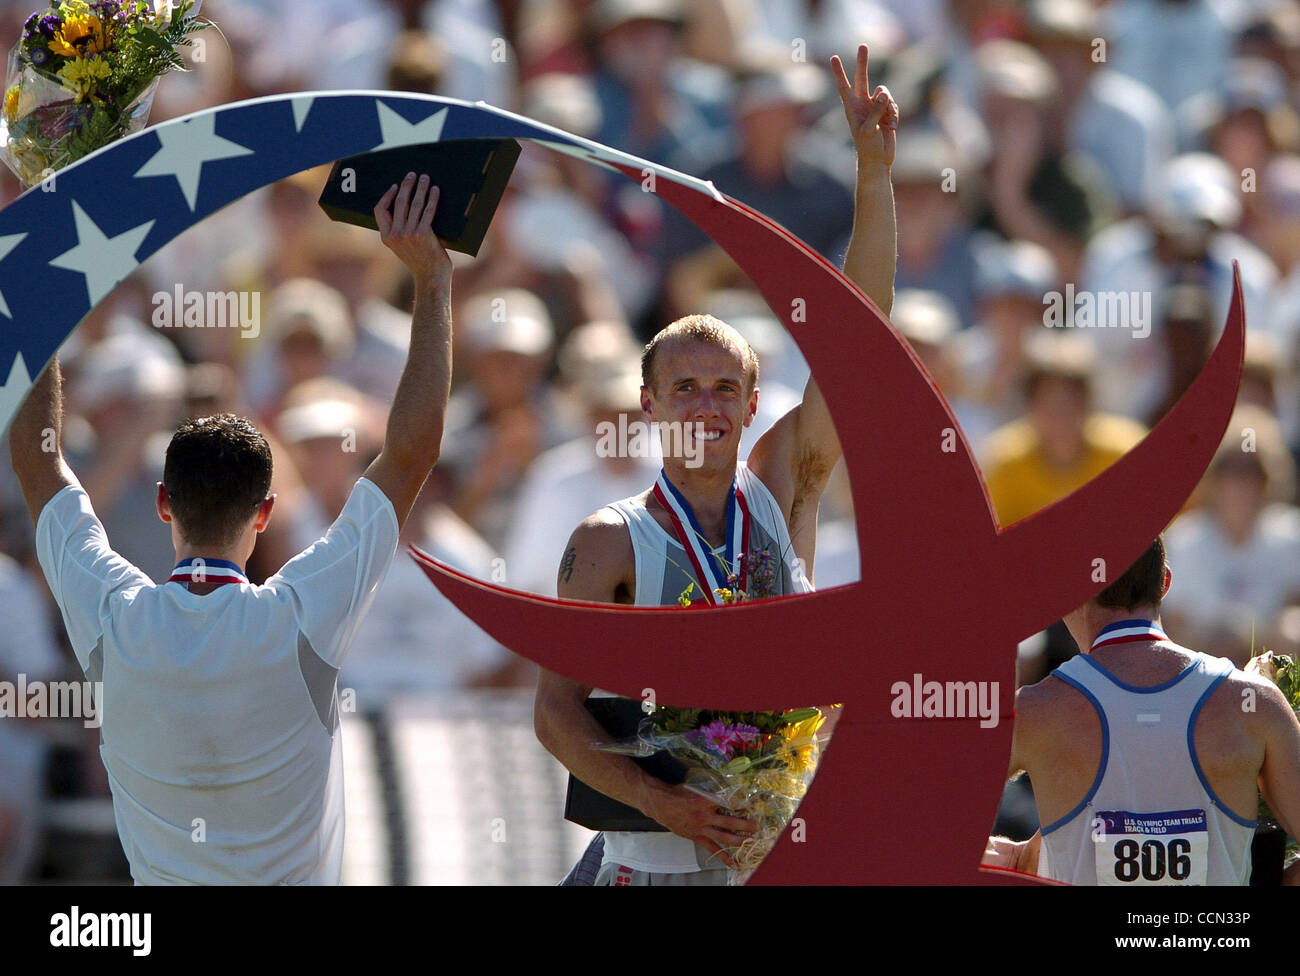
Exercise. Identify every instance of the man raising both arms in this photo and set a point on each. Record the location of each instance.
(1146, 756)
(220, 720)
(700, 374)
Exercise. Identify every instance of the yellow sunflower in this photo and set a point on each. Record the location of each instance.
(11, 103)
(81, 34)
(82, 75)
(800, 743)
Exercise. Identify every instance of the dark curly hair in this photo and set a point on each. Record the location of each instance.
(218, 470)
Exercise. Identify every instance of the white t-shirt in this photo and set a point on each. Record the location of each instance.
(220, 710)
(1216, 582)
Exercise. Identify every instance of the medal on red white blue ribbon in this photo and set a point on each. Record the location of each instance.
(708, 571)
(1124, 631)
(200, 570)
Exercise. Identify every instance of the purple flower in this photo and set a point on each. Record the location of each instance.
(39, 55)
(108, 10)
(722, 739)
(50, 24)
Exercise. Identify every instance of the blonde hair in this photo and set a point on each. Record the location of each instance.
(706, 329)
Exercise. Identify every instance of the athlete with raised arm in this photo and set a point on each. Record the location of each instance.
(220, 727)
(700, 380)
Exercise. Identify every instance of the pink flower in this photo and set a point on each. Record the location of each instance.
(722, 739)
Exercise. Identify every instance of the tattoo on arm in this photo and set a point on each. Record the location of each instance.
(566, 564)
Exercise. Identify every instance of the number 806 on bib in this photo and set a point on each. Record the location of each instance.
(1170, 848)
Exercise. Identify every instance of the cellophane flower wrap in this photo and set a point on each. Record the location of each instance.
(84, 74)
(1284, 671)
(756, 765)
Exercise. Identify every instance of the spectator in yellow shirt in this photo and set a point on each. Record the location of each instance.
(1062, 442)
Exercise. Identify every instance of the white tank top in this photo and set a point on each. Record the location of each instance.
(1151, 817)
(663, 570)
(662, 573)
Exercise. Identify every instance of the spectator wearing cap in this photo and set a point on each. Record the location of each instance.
(1275, 231)
(831, 26)
(770, 172)
(308, 334)
(1062, 442)
(1247, 120)
(1177, 48)
(1262, 370)
(1038, 190)
(600, 363)
(1011, 280)
(332, 431)
(272, 240)
(345, 257)
(480, 41)
(654, 102)
(128, 389)
(416, 63)
(1187, 236)
(507, 413)
(1115, 120)
(658, 104)
(929, 323)
(1273, 33)
(1237, 557)
(557, 228)
(935, 237)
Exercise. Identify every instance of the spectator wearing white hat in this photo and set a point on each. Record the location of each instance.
(507, 413)
(129, 393)
(1177, 48)
(1239, 553)
(655, 102)
(1116, 120)
(935, 242)
(1011, 279)
(1187, 236)
(308, 333)
(1275, 232)
(331, 431)
(772, 171)
(1038, 189)
(601, 363)
(931, 327)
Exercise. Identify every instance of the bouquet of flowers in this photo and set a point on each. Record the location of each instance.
(1284, 672)
(755, 764)
(83, 75)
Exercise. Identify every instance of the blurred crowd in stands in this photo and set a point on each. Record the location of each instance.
(1122, 153)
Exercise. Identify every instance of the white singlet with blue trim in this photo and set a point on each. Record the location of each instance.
(663, 571)
(1151, 817)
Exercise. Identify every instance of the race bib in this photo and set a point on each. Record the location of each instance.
(1151, 848)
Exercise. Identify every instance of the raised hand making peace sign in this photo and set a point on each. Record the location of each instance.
(872, 116)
